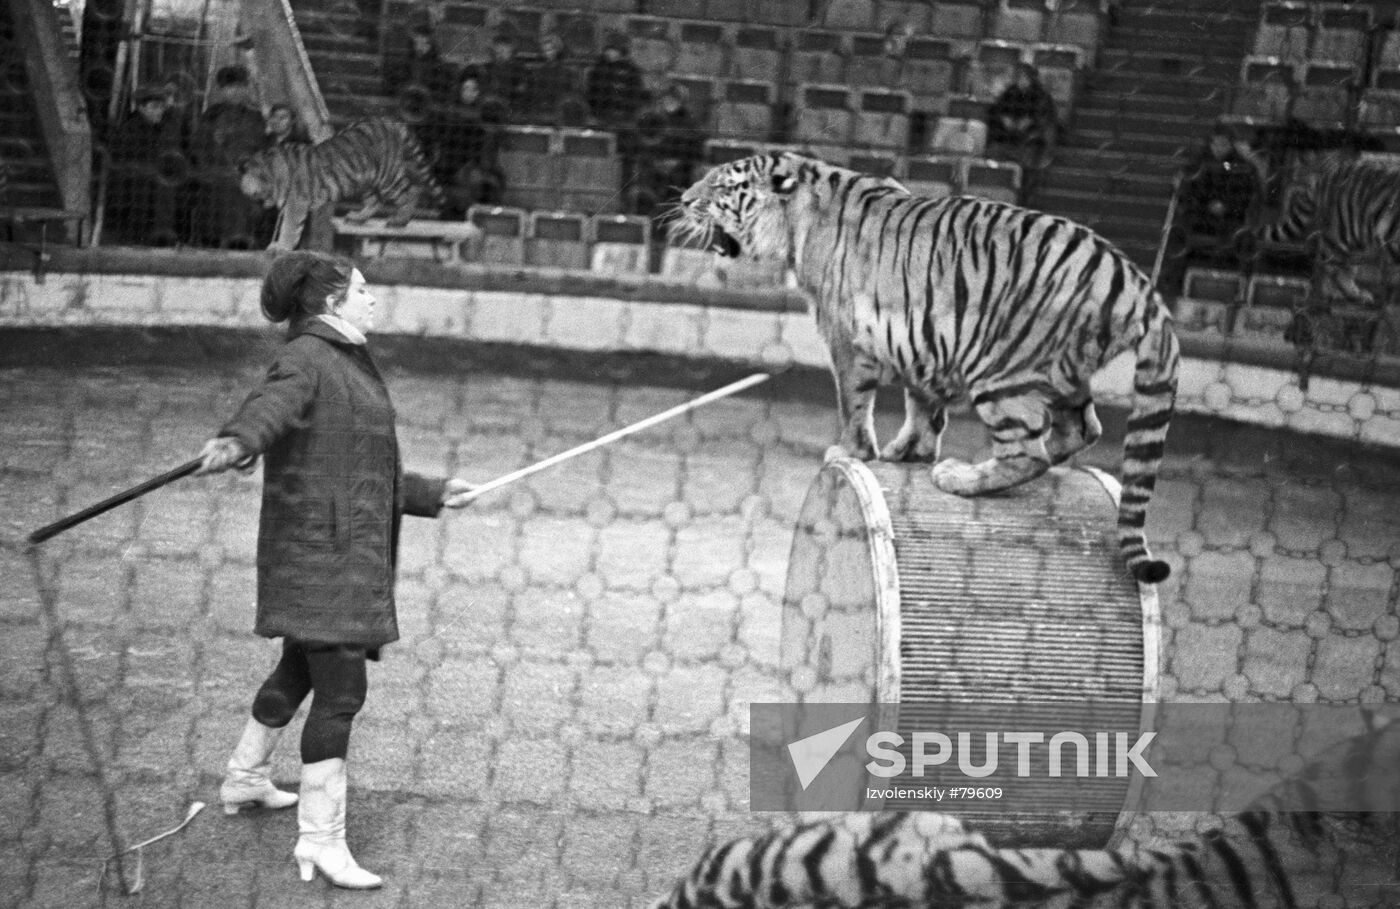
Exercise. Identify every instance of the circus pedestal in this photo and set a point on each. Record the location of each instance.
(960, 611)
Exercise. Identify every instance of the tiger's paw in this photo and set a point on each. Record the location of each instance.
(910, 448)
(957, 477)
(841, 451)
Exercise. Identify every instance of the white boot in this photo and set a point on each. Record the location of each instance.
(321, 819)
(247, 782)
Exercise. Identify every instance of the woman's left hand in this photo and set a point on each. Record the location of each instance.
(455, 494)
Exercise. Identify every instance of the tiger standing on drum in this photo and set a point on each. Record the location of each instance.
(958, 299)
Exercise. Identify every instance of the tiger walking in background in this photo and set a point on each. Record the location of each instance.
(1262, 857)
(957, 299)
(1345, 207)
(378, 160)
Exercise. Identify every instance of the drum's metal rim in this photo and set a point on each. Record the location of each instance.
(1151, 669)
(876, 513)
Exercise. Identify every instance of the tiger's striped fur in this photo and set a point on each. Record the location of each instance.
(1261, 857)
(958, 298)
(1344, 208)
(378, 160)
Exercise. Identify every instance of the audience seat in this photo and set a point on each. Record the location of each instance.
(700, 96)
(621, 244)
(503, 233)
(1059, 72)
(786, 13)
(886, 165)
(1079, 23)
(1380, 104)
(1284, 31)
(882, 120)
(933, 176)
(998, 180)
(993, 69)
(817, 58)
(579, 32)
(1388, 55)
(464, 35)
(869, 64)
(745, 109)
(757, 54)
(1342, 32)
(930, 73)
(592, 173)
(530, 167)
(701, 49)
(525, 24)
(1265, 90)
(557, 239)
(722, 151)
(1324, 98)
(917, 15)
(1018, 20)
(824, 119)
(653, 44)
(1213, 285)
(848, 15)
(961, 22)
(961, 131)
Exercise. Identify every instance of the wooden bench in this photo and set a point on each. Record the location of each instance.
(452, 242)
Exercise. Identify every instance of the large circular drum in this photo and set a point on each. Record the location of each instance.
(899, 593)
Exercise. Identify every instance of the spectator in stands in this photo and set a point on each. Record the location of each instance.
(231, 130)
(503, 77)
(416, 60)
(284, 128)
(1021, 125)
(669, 145)
(461, 142)
(552, 93)
(148, 166)
(1219, 186)
(615, 90)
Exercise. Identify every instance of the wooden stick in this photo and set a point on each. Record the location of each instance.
(732, 388)
(121, 498)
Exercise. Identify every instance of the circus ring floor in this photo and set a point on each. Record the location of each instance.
(562, 723)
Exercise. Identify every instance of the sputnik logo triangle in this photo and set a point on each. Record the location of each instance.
(811, 754)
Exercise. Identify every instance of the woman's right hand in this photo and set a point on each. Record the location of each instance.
(221, 453)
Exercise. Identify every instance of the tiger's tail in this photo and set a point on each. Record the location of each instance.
(1154, 395)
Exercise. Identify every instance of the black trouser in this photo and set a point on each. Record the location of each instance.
(336, 673)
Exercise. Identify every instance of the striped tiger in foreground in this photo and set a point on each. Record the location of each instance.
(1345, 207)
(1261, 857)
(957, 299)
(378, 160)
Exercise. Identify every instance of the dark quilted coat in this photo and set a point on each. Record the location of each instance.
(333, 492)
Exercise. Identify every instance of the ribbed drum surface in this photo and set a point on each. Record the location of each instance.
(899, 592)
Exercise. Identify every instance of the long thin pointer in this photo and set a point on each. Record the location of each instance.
(726, 391)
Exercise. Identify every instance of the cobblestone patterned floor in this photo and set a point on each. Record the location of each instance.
(561, 724)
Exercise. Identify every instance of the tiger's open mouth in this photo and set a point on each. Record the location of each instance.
(724, 243)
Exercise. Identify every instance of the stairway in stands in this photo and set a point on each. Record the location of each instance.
(344, 58)
(28, 178)
(1162, 79)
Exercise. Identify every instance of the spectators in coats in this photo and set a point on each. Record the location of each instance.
(231, 129)
(147, 169)
(615, 89)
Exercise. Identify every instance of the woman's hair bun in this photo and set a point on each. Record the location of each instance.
(285, 291)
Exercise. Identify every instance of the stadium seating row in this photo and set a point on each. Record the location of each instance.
(930, 175)
(705, 46)
(1298, 32)
(1078, 22)
(1322, 93)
